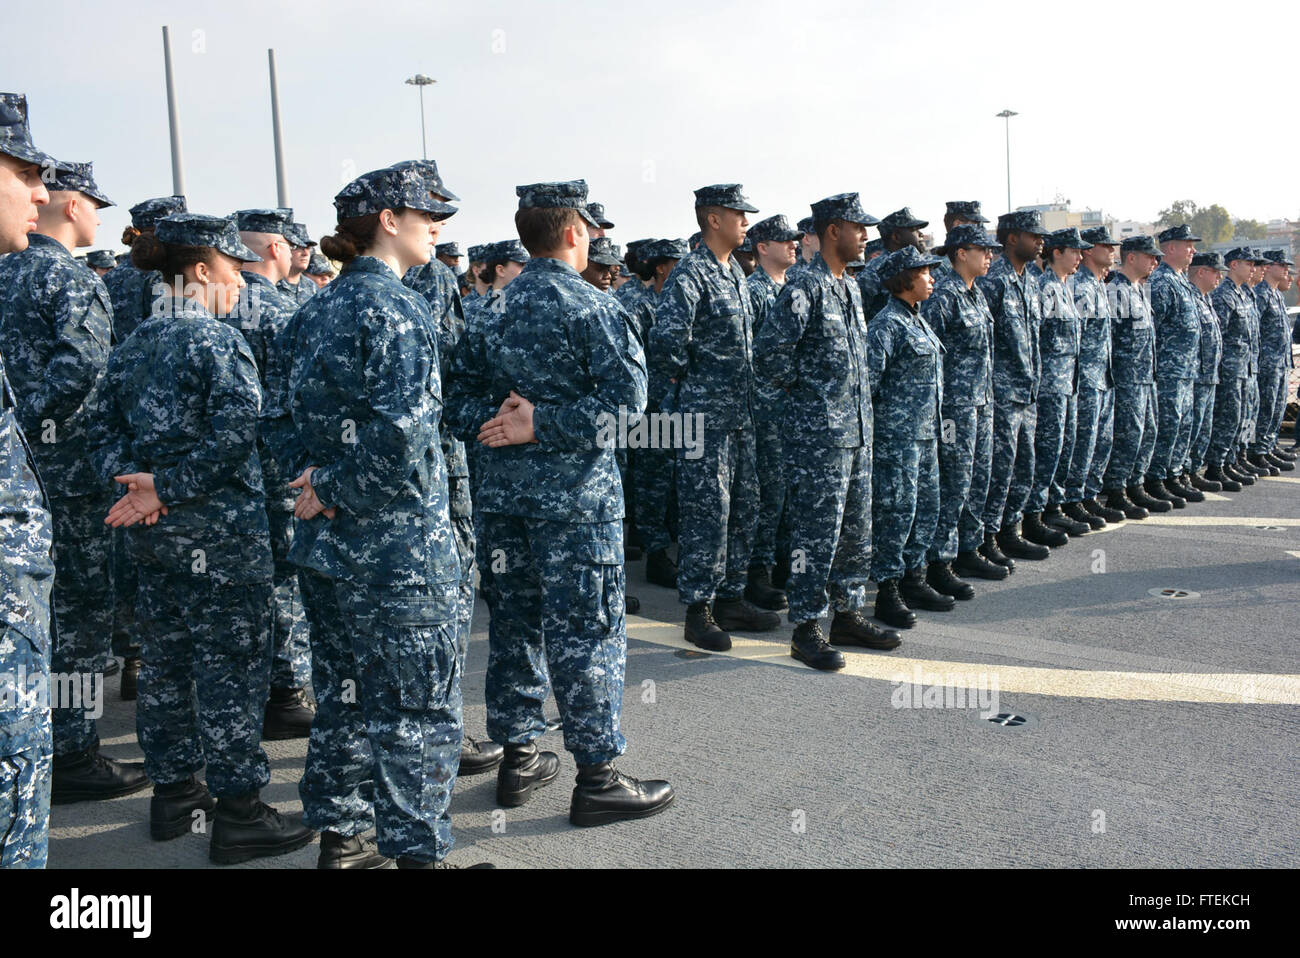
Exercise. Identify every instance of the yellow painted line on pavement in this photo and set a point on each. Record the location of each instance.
(1173, 519)
(1225, 687)
(1280, 478)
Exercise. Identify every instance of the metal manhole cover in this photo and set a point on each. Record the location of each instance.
(1005, 719)
(690, 654)
(1170, 593)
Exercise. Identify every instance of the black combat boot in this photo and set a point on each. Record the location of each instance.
(1156, 489)
(1281, 462)
(172, 808)
(1054, 517)
(702, 630)
(1262, 465)
(87, 776)
(523, 770)
(604, 795)
(975, 566)
(760, 591)
(477, 758)
(809, 646)
(1150, 503)
(1288, 454)
(1011, 542)
(918, 594)
(1243, 469)
(1119, 500)
(1103, 511)
(1219, 475)
(660, 569)
(1199, 480)
(741, 615)
(244, 827)
(130, 678)
(351, 852)
(993, 553)
(1036, 532)
(890, 607)
(851, 627)
(1080, 513)
(289, 714)
(940, 577)
(1180, 487)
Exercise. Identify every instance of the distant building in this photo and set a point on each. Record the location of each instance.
(1126, 228)
(1059, 216)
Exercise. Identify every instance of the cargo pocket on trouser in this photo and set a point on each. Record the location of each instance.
(418, 639)
(595, 696)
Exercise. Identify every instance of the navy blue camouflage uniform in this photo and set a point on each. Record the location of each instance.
(1275, 364)
(1178, 330)
(769, 448)
(1133, 350)
(56, 319)
(811, 345)
(1207, 383)
(1056, 420)
(1095, 417)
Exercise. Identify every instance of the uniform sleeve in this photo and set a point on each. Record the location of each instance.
(470, 399)
(670, 339)
(402, 424)
(277, 417)
(992, 290)
(233, 404)
(880, 344)
(778, 337)
(616, 363)
(82, 327)
(108, 433)
(940, 311)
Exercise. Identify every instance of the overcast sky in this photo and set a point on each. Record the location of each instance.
(796, 100)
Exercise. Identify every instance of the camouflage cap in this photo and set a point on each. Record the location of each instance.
(15, 134)
(264, 221)
(146, 214)
(665, 249)
(318, 265)
(1278, 257)
(122, 258)
(1139, 244)
(78, 178)
(694, 241)
(1239, 252)
(198, 229)
(746, 247)
(1099, 236)
(842, 206)
(429, 170)
(101, 259)
(298, 236)
(567, 194)
(623, 271)
(873, 246)
(605, 252)
(967, 210)
(505, 251)
(901, 260)
(805, 225)
(447, 249)
(597, 211)
(727, 195)
(1258, 258)
(774, 229)
(1211, 260)
(965, 235)
(902, 220)
(388, 189)
(1067, 238)
(856, 264)
(635, 247)
(1180, 232)
(476, 253)
(1022, 221)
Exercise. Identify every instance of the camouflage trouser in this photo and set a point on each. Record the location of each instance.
(654, 474)
(1249, 413)
(717, 495)
(26, 736)
(1273, 384)
(1053, 447)
(290, 636)
(905, 504)
(774, 520)
(1093, 435)
(1011, 471)
(385, 743)
(204, 679)
(557, 624)
(1202, 427)
(964, 460)
(125, 642)
(1174, 427)
(83, 611)
(830, 534)
(1135, 435)
(1225, 433)
(462, 527)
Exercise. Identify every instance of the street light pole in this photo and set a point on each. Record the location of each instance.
(422, 81)
(1006, 115)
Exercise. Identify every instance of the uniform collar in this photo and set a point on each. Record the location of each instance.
(41, 241)
(549, 265)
